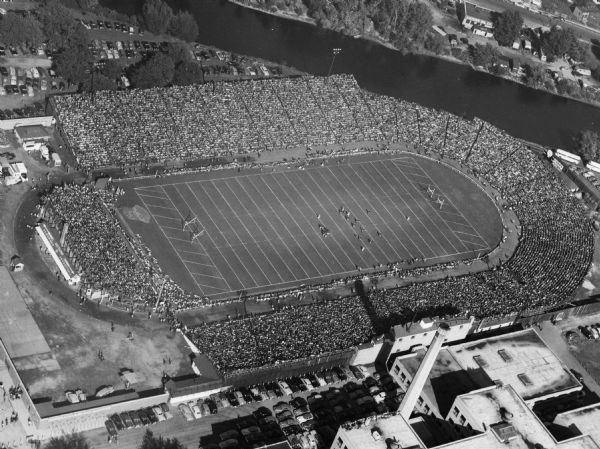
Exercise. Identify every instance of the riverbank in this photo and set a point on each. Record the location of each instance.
(421, 51)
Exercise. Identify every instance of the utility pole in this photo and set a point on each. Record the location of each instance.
(335, 52)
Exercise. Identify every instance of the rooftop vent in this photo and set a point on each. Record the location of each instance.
(504, 431)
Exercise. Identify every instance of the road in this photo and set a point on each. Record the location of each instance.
(535, 19)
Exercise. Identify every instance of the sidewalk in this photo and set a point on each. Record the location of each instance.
(14, 435)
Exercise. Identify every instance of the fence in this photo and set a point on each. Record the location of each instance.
(289, 369)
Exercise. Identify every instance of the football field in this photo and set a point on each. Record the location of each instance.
(225, 232)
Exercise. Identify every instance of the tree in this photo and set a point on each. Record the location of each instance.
(435, 43)
(179, 52)
(112, 69)
(98, 81)
(184, 26)
(74, 64)
(558, 42)
(588, 145)
(58, 24)
(16, 29)
(535, 75)
(156, 71)
(72, 441)
(188, 73)
(568, 87)
(484, 55)
(507, 27)
(157, 16)
(151, 442)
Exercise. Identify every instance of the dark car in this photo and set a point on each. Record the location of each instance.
(340, 374)
(298, 402)
(151, 415)
(110, 426)
(211, 406)
(232, 399)
(126, 420)
(136, 418)
(261, 413)
(116, 419)
(144, 417)
(23, 89)
(3, 71)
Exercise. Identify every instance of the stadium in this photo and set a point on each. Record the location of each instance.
(399, 210)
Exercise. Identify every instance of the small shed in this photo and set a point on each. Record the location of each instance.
(32, 133)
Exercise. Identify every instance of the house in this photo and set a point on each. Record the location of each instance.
(472, 16)
(587, 14)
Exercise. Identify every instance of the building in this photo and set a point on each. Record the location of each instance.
(376, 434)
(481, 395)
(32, 133)
(475, 18)
(520, 359)
(528, 4)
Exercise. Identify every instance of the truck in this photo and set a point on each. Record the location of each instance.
(56, 159)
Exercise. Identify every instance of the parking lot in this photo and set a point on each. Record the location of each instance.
(304, 410)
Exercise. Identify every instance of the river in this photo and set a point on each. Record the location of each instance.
(523, 112)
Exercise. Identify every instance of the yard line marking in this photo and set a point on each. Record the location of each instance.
(260, 193)
(212, 288)
(432, 209)
(264, 218)
(300, 264)
(366, 218)
(198, 263)
(334, 192)
(213, 242)
(200, 243)
(308, 238)
(176, 253)
(377, 228)
(377, 200)
(154, 205)
(452, 203)
(192, 252)
(169, 218)
(417, 217)
(313, 212)
(151, 196)
(249, 233)
(205, 275)
(363, 263)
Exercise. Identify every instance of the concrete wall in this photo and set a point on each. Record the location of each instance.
(93, 418)
(456, 332)
(9, 125)
(366, 354)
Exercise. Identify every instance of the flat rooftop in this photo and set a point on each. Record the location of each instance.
(520, 359)
(488, 407)
(391, 428)
(31, 132)
(477, 12)
(18, 330)
(447, 379)
(582, 421)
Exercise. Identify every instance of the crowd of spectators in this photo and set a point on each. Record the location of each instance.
(112, 128)
(553, 255)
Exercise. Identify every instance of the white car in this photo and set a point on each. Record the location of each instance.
(195, 409)
(186, 412)
(307, 384)
(321, 380)
(159, 413)
(284, 387)
(305, 417)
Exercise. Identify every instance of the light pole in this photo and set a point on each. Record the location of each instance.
(335, 52)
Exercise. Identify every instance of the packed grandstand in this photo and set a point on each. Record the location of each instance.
(117, 128)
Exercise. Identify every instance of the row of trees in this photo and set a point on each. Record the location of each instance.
(159, 18)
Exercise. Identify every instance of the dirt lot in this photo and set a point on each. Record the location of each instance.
(76, 332)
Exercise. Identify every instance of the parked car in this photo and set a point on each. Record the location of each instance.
(285, 387)
(127, 420)
(165, 408)
(160, 415)
(186, 412)
(110, 426)
(195, 409)
(116, 419)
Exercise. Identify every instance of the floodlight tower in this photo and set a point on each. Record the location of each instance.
(336, 51)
